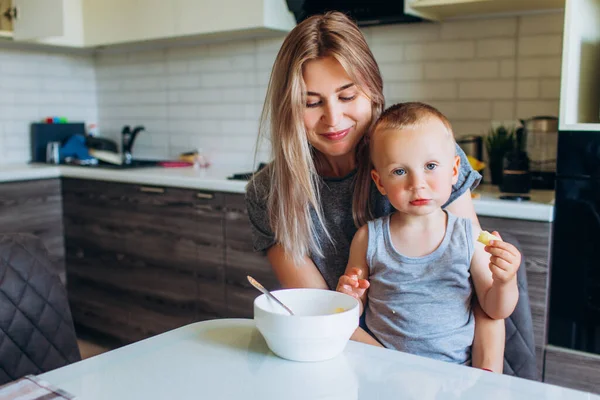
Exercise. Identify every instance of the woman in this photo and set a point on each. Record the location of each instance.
(324, 94)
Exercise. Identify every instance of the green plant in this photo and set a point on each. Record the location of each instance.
(498, 141)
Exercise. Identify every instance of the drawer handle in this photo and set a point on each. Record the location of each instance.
(147, 189)
(207, 196)
(205, 207)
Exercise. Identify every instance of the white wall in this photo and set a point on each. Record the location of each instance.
(210, 96)
(34, 85)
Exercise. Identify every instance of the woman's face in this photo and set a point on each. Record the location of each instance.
(337, 113)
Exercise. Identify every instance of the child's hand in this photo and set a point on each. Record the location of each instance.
(352, 284)
(505, 260)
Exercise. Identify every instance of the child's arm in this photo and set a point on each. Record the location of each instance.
(354, 281)
(487, 351)
(495, 277)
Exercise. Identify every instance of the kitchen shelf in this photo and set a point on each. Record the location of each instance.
(443, 9)
(580, 79)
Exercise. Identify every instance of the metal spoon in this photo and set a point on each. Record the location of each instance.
(260, 287)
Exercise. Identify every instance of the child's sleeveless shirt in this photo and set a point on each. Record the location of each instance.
(422, 305)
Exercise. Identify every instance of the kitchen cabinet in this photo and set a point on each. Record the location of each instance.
(145, 20)
(241, 260)
(534, 239)
(572, 369)
(142, 260)
(438, 10)
(92, 23)
(52, 22)
(580, 80)
(35, 207)
(115, 21)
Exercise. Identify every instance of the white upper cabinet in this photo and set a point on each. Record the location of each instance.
(116, 21)
(438, 10)
(580, 75)
(92, 23)
(247, 18)
(124, 21)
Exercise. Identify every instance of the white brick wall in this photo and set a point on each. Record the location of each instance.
(34, 85)
(210, 96)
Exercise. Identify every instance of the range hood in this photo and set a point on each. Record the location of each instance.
(364, 12)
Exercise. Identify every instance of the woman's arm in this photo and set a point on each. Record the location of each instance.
(292, 275)
(306, 275)
(463, 207)
(488, 343)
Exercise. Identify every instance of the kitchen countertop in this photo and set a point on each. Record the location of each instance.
(229, 359)
(486, 201)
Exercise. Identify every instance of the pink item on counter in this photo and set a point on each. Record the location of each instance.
(174, 164)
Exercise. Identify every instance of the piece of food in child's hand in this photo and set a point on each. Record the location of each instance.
(339, 310)
(485, 237)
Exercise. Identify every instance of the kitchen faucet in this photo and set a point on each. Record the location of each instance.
(128, 136)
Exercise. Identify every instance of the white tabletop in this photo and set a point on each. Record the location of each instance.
(229, 359)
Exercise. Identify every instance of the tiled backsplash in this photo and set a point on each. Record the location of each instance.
(210, 96)
(34, 85)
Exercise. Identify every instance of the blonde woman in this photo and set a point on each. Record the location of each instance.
(324, 94)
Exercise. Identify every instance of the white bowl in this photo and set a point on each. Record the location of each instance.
(317, 331)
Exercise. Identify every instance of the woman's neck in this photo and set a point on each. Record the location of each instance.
(335, 167)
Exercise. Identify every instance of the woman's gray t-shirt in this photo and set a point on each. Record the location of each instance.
(336, 200)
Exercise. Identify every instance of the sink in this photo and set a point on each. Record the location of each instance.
(135, 163)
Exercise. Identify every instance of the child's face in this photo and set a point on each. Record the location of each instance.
(415, 167)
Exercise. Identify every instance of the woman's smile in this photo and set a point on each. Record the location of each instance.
(336, 135)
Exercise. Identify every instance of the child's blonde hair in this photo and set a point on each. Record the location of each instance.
(398, 116)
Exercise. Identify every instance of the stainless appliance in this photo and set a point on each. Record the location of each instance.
(542, 141)
(53, 153)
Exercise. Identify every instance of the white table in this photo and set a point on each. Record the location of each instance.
(229, 359)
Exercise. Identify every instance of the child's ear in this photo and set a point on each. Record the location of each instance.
(455, 169)
(377, 180)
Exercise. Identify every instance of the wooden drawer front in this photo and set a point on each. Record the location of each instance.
(241, 260)
(572, 369)
(35, 207)
(534, 238)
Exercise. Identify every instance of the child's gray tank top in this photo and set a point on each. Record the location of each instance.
(422, 305)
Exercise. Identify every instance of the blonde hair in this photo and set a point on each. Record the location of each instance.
(398, 116)
(294, 191)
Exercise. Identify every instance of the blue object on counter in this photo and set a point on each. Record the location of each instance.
(75, 147)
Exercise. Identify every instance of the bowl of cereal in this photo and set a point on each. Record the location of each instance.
(319, 330)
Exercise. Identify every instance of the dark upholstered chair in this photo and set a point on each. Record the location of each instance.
(519, 353)
(36, 328)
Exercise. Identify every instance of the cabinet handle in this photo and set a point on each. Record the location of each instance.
(207, 196)
(11, 14)
(147, 189)
(204, 207)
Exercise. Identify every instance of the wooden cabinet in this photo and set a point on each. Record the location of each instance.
(580, 80)
(442, 9)
(573, 369)
(35, 207)
(534, 238)
(142, 260)
(241, 260)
